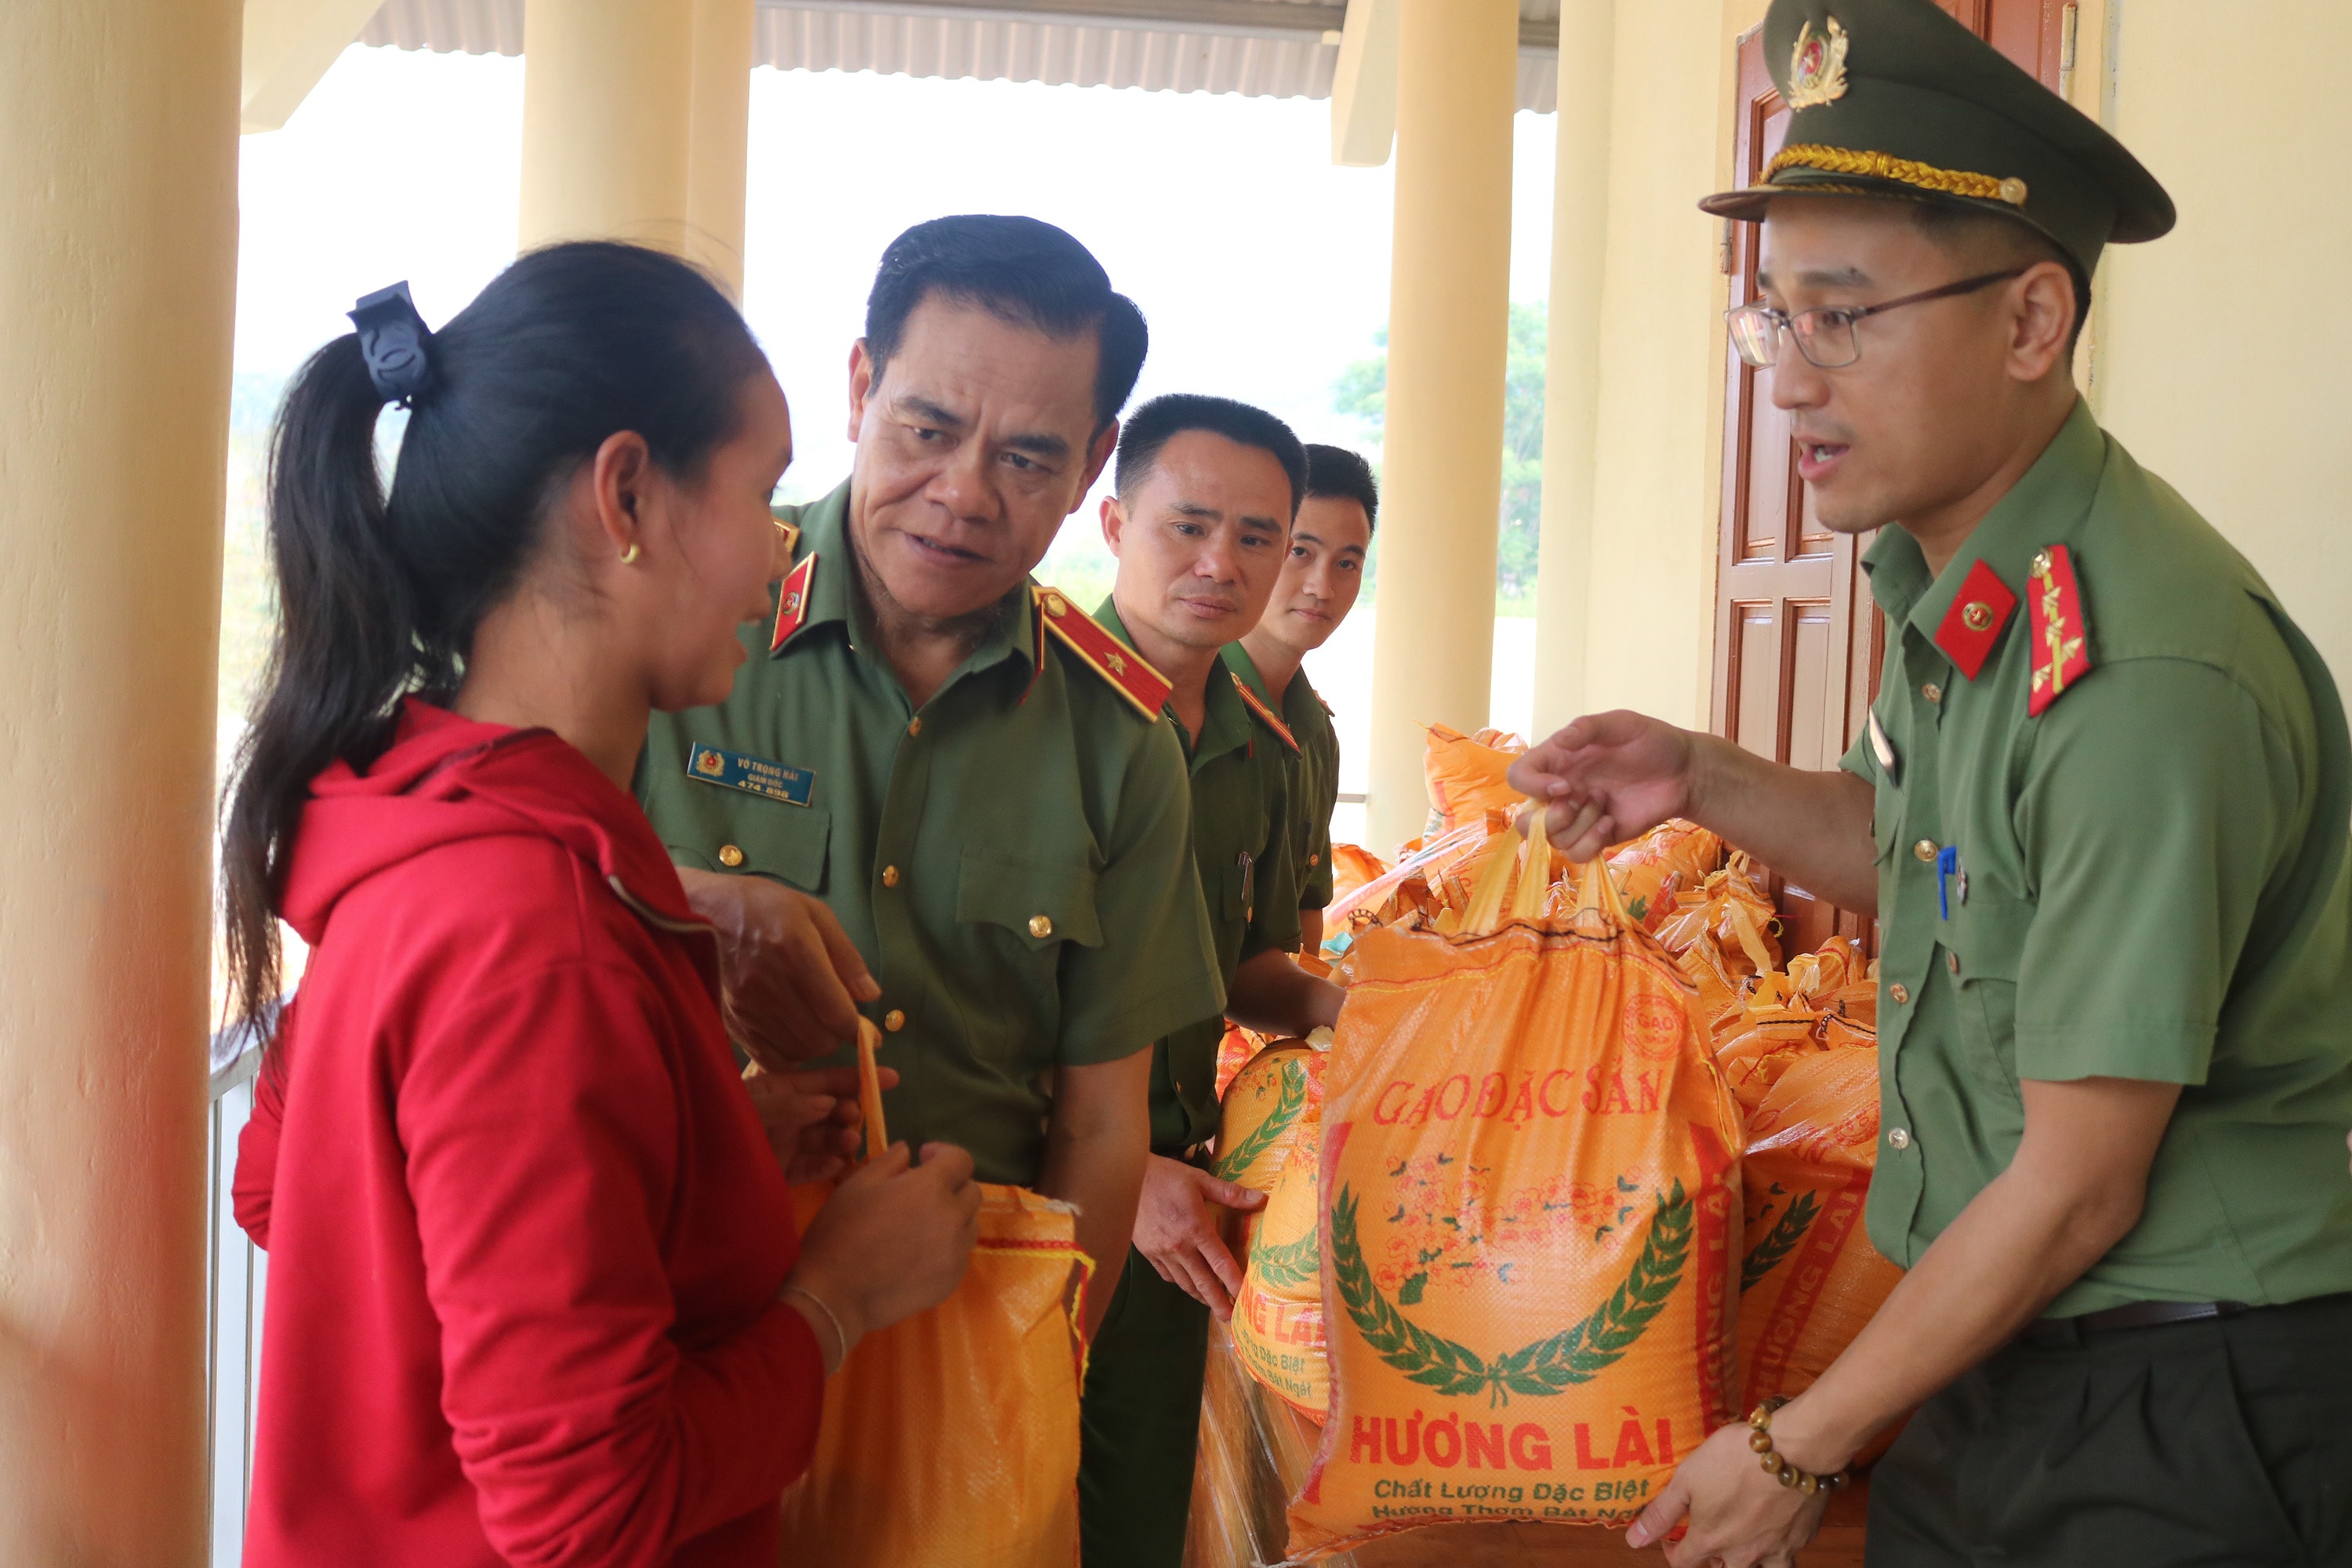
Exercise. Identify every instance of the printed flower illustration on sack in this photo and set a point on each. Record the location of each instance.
(1576, 1354)
(1450, 1228)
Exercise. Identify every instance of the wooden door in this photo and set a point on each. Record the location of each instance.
(1798, 642)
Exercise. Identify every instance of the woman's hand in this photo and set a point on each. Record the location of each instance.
(892, 1241)
(1740, 1516)
(811, 1118)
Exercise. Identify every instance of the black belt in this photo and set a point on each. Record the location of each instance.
(2058, 1333)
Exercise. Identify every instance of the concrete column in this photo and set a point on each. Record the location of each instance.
(719, 138)
(608, 92)
(1580, 234)
(1449, 319)
(118, 271)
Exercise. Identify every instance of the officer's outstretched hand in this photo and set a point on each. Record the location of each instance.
(789, 977)
(1606, 778)
(1175, 1229)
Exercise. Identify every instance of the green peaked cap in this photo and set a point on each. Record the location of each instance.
(1894, 98)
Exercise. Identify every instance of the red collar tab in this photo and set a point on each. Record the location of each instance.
(1125, 669)
(1267, 715)
(792, 601)
(2062, 649)
(1972, 627)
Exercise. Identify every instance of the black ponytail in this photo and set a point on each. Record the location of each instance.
(379, 596)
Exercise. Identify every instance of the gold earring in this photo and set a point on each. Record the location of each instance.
(629, 556)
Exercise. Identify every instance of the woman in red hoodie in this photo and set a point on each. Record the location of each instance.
(535, 1295)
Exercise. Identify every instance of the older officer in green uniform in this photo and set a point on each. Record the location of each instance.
(1320, 578)
(1207, 489)
(922, 741)
(2101, 808)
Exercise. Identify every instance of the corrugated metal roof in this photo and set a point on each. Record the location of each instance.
(999, 44)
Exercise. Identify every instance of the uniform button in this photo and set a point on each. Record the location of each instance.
(730, 855)
(1952, 962)
(1900, 992)
(1040, 927)
(889, 876)
(894, 1020)
(914, 726)
(1925, 849)
(1315, 860)
(1899, 1138)
(1932, 693)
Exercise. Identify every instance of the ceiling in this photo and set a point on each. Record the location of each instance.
(1259, 49)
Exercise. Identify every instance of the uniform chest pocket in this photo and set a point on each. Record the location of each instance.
(774, 839)
(1040, 901)
(1984, 944)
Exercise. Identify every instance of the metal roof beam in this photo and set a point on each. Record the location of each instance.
(1246, 18)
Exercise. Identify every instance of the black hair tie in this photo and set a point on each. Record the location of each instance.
(395, 340)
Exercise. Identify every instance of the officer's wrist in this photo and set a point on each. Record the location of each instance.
(1808, 1435)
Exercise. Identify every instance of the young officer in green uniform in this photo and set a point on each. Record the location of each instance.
(2101, 809)
(921, 754)
(1320, 578)
(1206, 492)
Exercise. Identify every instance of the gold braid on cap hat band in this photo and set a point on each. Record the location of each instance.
(1884, 166)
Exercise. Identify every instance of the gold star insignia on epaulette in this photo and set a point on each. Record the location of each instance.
(1128, 672)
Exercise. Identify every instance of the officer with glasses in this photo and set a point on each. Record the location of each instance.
(2101, 810)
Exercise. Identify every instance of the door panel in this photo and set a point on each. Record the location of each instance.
(1798, 642)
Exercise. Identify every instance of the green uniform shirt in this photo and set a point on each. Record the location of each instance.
(1241, 849)
(1313, 775)
(1010, 859)
(2155, 889)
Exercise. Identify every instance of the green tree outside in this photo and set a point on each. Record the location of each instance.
(1361, 392)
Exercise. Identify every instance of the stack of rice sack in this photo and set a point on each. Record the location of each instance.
(1528, 1181)
(1800, 1054)
(1652, 870)
(1465, 774)
(1352, 866)
(1721, 932)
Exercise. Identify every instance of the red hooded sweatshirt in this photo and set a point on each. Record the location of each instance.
(525, 1233)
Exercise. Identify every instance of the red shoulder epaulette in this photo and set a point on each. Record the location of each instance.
(2062, 649)
(1975, 620)
(791, 600)
(1257, 705)
(1125, 669)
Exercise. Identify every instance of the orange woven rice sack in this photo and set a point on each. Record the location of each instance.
(1405, 887)
(1810, 1278)
(1531, 1184)
(1351, 867)
(1278, 1323)
(1234, 1049)
(950, 1440)
(1268, 1102)
(1653, 869)
(1465, 776)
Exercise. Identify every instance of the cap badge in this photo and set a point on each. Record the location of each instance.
(1817, 69)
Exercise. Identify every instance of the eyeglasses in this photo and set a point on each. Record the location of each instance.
(1825, 334)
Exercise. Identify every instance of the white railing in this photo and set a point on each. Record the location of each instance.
(238, 1271)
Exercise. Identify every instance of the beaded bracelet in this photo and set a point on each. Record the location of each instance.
(1760, 1438)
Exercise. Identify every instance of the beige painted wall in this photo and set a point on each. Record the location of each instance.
(1649, 622)
(2225, 348)
(118, 265)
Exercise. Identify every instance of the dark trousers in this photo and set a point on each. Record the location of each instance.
(1140, 1423)
(2219, 1443)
